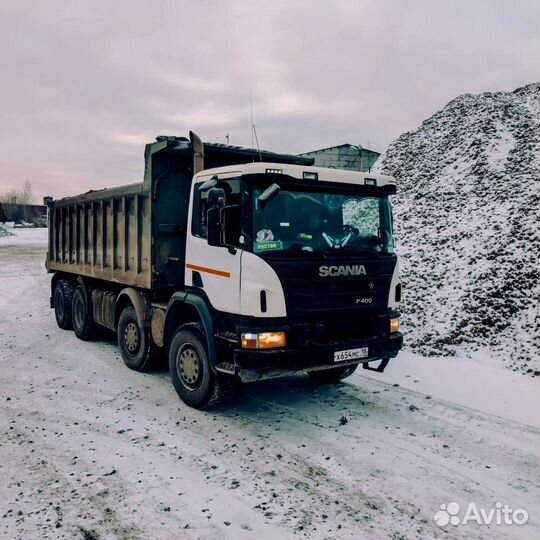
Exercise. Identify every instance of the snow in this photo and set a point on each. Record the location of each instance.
(509, 395)
(92, 450)
(22, 236)
(467, 228)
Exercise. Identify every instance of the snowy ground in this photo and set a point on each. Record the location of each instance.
(91, 450)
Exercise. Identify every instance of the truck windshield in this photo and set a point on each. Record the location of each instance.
(310, 223)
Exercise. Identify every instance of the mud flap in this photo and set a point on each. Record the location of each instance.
(380, 368)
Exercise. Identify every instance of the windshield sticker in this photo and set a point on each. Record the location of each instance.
(268, 246)
(264, 235)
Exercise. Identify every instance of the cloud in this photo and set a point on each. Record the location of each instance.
(86, 84)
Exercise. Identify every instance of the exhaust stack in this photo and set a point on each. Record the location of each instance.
(198, 152)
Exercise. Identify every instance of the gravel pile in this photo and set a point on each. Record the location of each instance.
(467, 219)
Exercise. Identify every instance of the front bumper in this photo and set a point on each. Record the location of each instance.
(253, 365)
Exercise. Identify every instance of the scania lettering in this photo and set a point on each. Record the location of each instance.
(334, 271)
(234, 265)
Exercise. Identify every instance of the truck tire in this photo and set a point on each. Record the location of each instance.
(332, 375)
(63, 293)
(135, 343)
(193, 379)
(81, 315)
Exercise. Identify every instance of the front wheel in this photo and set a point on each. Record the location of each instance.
(193, 378)
(332, 375)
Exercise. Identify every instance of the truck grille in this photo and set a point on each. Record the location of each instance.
(316, 296)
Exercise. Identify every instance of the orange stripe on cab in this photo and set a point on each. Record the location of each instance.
(208, 270)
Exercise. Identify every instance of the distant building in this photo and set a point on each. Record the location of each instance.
(344, 156)
(31, 213)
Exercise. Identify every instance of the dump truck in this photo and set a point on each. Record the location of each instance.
(234, 264)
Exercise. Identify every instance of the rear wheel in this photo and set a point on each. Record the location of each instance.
(63, 293)
(81, 315)
(192, 376)
(332, 375)
(134, 341)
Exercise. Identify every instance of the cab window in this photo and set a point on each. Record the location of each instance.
(232, 214)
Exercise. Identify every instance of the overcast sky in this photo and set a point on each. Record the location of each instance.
(86, 83)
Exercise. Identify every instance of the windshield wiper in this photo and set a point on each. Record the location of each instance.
(352, 252)
(305, 253)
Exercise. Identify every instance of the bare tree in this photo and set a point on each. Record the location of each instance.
(19, 196)
(27, 195)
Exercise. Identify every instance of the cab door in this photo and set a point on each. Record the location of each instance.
(215, 270)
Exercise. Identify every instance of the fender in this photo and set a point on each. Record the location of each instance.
(204, 310)
(138, 301)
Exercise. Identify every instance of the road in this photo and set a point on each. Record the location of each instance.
(91, 450)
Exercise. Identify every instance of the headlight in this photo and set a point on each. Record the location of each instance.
(264, 340)
(394, 325)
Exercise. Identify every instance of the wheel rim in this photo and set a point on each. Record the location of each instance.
(189, 367)
(78, 311)
(132, 337)
(59, 304)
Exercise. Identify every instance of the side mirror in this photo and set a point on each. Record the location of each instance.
(214, 223)
(209, 184)
(268, 194)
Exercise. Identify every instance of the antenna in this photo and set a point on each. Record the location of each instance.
(253, 130)
(251, 118)
(257, 141)
(227, 139)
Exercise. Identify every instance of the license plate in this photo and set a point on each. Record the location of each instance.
(350, 354)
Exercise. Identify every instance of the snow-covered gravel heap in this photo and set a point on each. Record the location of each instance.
(467, 219)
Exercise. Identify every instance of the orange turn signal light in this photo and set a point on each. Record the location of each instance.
(264, 340)
(394, 325)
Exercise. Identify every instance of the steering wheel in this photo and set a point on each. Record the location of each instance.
(338, 241)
